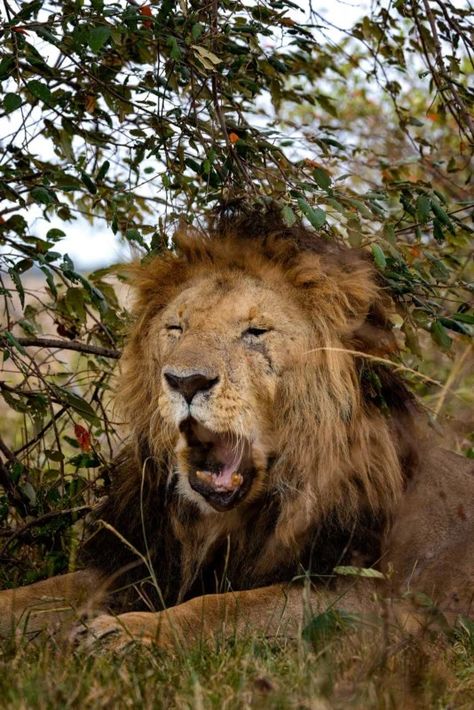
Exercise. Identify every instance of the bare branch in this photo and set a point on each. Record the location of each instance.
(69, 345)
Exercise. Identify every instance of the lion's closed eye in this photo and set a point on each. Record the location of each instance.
(174, 328)
(255, 332)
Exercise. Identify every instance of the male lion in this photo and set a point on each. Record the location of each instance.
(269, 441)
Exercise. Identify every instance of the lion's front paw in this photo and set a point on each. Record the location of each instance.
(112, 632)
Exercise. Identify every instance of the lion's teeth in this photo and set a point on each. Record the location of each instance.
(204, 476)
(209, 479)
(237, 479)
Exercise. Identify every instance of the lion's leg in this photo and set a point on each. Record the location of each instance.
(278, 610)
(50, 604)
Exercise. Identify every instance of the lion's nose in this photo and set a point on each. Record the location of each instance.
(189, 385)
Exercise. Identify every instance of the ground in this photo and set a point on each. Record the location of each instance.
(351, 668)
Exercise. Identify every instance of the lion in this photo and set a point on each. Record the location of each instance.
(271, 444)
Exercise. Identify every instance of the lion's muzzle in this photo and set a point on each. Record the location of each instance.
(189, 385)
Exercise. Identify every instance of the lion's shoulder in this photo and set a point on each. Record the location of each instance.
(435, 515)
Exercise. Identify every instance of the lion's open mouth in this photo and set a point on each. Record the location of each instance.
(220, 465)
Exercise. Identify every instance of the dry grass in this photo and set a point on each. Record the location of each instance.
(350, 670)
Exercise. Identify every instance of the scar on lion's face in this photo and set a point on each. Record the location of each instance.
(219, 370)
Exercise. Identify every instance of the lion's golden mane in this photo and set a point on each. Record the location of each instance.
(345, 426)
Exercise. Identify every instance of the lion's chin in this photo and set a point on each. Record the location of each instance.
(220, 500)
(219, 465)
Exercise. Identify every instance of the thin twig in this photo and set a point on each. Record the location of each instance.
(39, 436)
(39, 521)
(15, 496)
(69, 345)
(9, 455)
(455, 371)
(216, 92)
(375, 358)
(439, 60)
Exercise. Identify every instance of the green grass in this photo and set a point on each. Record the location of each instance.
(349, 670)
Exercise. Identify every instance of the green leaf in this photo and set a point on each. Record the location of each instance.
(85, 461)
(6, 66)
(326, 102)
(74, 302)
(89, 183)
(438, 269)
(464, 318)
(23, 265)
(333, 142)
(11, 102)
(133, 235)
(379, 256)
(323, 627)
(196, 31)
(411, 340)
(18, 285)
(358, 572)
(389, 233)
(360, 206)
(103, 170)
(28, 327)
(438, 231)
(175, 52)
(457, 326)
(16, 403)
(13, 341)
(49, 280)
(40, 90)
(423, 208)
(440, 336)
(54, 234)
(54, 455)
(316, 217)
(18, 223)
(441, 215)
(28, 9)
(288, 215)
(41, 195)
(412, 121)
(78, 403)
(97, 37)
(47, 35)
(322, 178)
(191, 163)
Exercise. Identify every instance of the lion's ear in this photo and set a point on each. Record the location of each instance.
(338, 287)
(355, 280)
(375, 335)
(155, 282)
(367, 327)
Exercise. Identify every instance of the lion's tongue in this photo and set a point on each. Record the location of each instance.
(229, 459)
(227, 454)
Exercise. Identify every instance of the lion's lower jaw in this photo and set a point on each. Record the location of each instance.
(218, 471)
(186, 491)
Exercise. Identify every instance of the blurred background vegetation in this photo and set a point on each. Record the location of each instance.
(136, 117)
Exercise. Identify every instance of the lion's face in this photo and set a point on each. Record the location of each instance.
(240, 374)
(222, 346)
